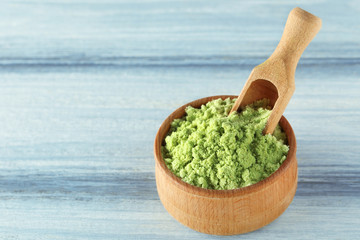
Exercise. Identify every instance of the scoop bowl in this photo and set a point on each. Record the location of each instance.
(225, 212)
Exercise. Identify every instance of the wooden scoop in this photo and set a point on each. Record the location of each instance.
(275, 78)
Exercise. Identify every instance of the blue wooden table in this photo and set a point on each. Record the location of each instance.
(84, 86)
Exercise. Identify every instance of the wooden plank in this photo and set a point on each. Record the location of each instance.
(84, 86)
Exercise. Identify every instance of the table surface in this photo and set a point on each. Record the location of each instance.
(84, 86)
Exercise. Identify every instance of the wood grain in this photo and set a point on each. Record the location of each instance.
(85, 85)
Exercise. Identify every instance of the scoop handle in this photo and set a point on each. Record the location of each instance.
(301, 27)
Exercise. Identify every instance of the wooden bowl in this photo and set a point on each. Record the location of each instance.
(225, 212)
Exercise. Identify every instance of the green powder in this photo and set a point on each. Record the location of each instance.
(209, 149)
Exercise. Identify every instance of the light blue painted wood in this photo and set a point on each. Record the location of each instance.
(84, 86)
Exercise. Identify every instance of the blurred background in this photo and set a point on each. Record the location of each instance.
(84, 86)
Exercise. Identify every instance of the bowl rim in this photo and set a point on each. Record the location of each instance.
(213, 193)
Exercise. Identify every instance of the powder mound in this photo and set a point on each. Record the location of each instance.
(209, 149)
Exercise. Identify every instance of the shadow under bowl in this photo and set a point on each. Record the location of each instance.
(225, 212)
